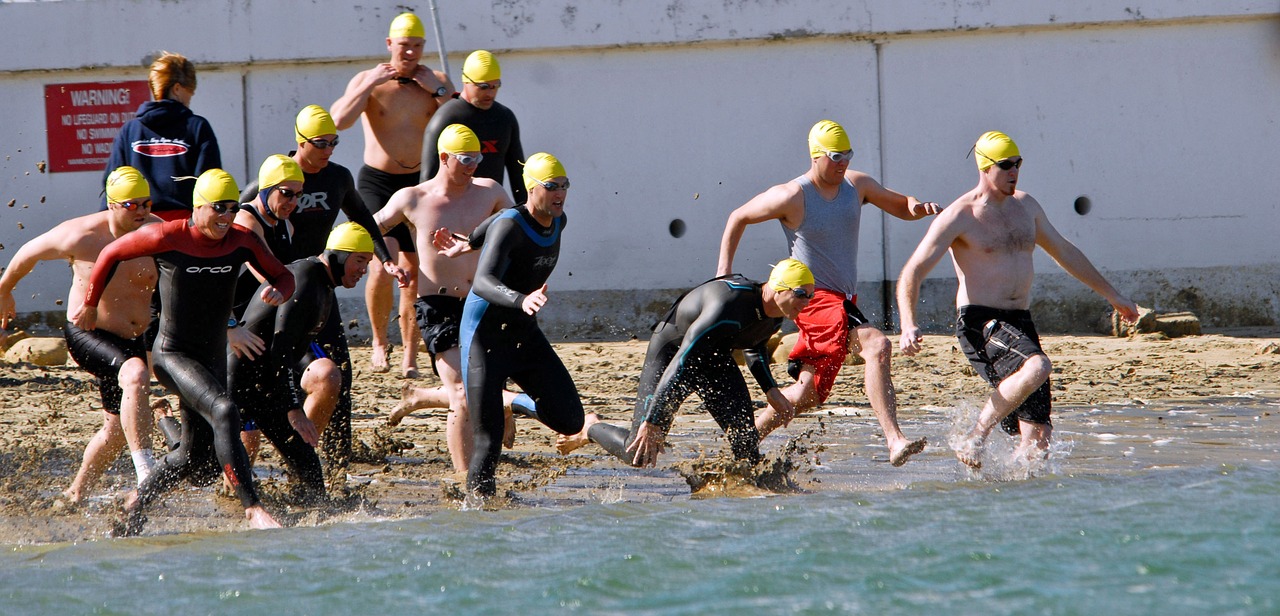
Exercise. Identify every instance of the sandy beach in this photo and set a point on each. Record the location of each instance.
(48, 414)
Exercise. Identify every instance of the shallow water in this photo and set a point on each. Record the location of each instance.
(1143, 510)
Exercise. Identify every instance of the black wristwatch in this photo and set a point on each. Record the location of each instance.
(232, 322)
(440, 92)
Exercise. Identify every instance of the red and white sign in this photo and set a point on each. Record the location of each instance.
(82, 119)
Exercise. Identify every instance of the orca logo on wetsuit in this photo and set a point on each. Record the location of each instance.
(210, 269)
(489, 147)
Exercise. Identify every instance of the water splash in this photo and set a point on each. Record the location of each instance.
(999, 462)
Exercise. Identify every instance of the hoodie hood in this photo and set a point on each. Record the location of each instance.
(164, 115)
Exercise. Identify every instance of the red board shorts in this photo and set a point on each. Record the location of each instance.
(824, 336)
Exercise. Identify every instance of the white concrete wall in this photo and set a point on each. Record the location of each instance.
(1161, 113)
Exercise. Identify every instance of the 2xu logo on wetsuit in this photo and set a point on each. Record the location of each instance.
(212, 270)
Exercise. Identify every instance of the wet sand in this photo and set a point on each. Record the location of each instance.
(1121, 405)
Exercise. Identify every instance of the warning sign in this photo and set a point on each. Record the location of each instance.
(82, 119)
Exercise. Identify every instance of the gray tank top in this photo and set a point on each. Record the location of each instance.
(827, 239)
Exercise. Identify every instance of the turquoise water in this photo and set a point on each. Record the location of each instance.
(1196, 540)
(1166, 509)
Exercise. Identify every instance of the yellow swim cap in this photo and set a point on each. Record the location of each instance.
(827, 136)
(127, 184)
(406, 25)
(213, 186)
(456, 138)
(993, 146)
(541, 167)
(789, 274)
(278, 168)
(349, 237)
(312, 122)
(481, 66)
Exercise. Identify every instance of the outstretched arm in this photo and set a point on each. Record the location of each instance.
(54, 244)
(784, 202)
(1075, 263)
(944, 230)
(893, 202)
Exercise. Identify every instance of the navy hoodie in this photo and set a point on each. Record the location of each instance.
(165, 140)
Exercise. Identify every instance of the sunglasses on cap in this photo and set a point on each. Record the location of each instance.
(135, 204)
(840, 157)
(466, 159)
(1004, 165)
(288, 194)
(484, 85)
(222, 207)
(553, 185)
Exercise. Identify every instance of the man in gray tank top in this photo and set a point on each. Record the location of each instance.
(820, 213)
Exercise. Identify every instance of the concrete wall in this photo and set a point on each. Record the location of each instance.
(685, 110)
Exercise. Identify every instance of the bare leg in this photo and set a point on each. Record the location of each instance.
(1035, 441)
(876, 351)
(259, 518)
(803, 396)
(414, 398)
(322, 381)
(135, 414)
(409, 333)
(378, 297)
(1006, 397)
(567, 443)
(252, 441)
(101, 451)
(458, 433)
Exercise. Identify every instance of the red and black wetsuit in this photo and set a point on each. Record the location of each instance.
(197, 280)
(268, 387)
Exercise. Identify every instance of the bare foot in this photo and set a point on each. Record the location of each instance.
(969, 452)
(410, 372)
(509, 431)
(380, 362)
(899, 456)
(405, 406)
(129, 518)
(259, 518)
(73, 498)
(566, 443)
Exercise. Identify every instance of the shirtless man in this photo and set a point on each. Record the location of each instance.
(820, 213)
(991, 232)
(396, 100)
(452, 199)
(115, 353)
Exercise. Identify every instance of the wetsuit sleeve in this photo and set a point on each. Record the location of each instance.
(249, 193)
(515, 171)
(267, 264)
(502, 237)
(430, 155)
(353, 206)
(146, 241)
(476, 239)
(759, 366)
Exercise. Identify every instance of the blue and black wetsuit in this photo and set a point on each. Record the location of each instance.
(691, 351)
(499, 341)
(267, 388)
(325, 194)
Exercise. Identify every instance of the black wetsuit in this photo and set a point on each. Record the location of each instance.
(499, 135)
(324, 194)
(267, 388)
(279, 242)
(499, 341)
(197, 283)
(691, 350)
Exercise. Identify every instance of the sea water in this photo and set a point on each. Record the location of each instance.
(1180, 519)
